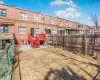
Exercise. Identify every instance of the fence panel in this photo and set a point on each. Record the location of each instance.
(86, 44)
(6, 59)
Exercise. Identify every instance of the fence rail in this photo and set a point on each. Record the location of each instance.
(86, 44)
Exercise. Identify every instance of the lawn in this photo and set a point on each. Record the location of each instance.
(56, 64)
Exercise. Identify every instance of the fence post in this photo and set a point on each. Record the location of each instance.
(52, 41)
(63, 42)
(56, 41)
(85, 44)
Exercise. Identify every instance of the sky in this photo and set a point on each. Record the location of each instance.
(75, 10)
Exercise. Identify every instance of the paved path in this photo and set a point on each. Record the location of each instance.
(25, 47)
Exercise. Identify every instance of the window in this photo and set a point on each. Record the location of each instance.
(70, 24)
(22, 30)
(24, 42)
(37, 30)
(82, 26)
(48, 31)
(51, 21)
(61, 32)
(61, 23)
(74, 26)
(4, 29)
(1, 29)
(2, 12)
(44, 19)
(23, 16)
(67, 23)
(79, 26)
(54, 31)
(36, 18)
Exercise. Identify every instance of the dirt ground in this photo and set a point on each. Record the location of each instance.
(56, 64)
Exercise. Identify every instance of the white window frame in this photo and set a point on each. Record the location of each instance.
(61, 23)
(36, 18)
(67, 23)
(23, 16)
(3, 12)
(4, 29)
(37, 30)
(74, 25)
(44, 19)
(24, 42)
(52, 21)
(22, 30)
(70, 24)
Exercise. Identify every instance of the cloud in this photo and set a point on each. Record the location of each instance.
(68, 12)
(1, 2)
(61, 2)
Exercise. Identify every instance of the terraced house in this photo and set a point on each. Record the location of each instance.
(22, 22)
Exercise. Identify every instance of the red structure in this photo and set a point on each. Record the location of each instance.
(17, 42)
(35, 42)
(42, 37)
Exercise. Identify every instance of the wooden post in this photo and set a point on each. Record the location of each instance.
(63, 42)
(52, 41)
(56, 41)
(85, 44)
(93, 43)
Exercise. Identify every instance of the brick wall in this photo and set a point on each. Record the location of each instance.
(13, 15)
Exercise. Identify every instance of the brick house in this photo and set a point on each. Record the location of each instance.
(22, 22)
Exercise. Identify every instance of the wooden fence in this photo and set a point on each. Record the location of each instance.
(86, 44)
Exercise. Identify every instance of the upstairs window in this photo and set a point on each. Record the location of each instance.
(67, 23)
(3, 12)
(70, 24)
(61, 23)
(74, 26)
(22, 30)
(79, 26)
(44, 19)
(36, 18)
(82, 26)
(23, 16)
(51, 21)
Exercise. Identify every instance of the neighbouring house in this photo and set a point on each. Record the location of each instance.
(22, 22)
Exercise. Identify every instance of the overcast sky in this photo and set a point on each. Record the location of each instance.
(75, 10)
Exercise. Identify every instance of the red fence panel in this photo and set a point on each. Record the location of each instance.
(42, 37)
